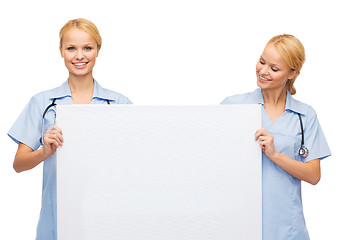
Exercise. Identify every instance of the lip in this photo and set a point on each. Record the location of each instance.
(80, 65)
(263, 80)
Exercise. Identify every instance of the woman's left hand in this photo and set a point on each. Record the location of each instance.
(266, 142)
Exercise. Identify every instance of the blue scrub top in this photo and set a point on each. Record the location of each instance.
(27, 129)
(283, 217)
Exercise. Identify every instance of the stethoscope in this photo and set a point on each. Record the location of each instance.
(44, 114)
(303, 151)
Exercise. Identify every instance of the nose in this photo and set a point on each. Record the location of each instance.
(264, 71)
(79, 55)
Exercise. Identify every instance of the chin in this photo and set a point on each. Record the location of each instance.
(77, 74)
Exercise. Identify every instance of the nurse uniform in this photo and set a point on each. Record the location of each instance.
(283, 217)
(27, 129)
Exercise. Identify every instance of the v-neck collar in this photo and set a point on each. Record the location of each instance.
(291, 105)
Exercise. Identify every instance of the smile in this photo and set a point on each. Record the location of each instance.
(264, 80)
(80, 65)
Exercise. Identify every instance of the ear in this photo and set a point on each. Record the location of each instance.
(62, 55)
(293, 74)
(98, 49)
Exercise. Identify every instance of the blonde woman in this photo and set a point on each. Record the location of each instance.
(291, 139)
(80, 44)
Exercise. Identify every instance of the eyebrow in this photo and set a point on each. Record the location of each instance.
(86, 44)
(272, 65)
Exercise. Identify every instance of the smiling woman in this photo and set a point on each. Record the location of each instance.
(282, 58)
(79, 51)
(283, 168)
(80, 44)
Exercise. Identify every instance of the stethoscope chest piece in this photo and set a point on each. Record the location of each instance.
(303, 151)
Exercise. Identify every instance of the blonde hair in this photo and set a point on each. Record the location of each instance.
(84, 25)
(293, 52)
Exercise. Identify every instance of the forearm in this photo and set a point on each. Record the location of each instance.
(26, 159)
(308, 172)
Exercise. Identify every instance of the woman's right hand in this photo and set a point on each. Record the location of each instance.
(26, 158)
(52, 140)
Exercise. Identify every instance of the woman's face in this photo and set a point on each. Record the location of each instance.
(79, 51)
(272, 71)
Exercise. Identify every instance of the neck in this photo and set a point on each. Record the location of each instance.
(79, 84)
(274, 98)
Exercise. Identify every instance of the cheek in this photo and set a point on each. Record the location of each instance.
(281, 78)
(258, 67)
(92, 56)
(68, 57)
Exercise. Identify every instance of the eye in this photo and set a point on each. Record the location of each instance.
(71, 48)
(274, 69)
(262, 62)
(87, 48)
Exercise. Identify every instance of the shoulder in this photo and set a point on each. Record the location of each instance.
(245, 98)
(44, 98)
(46, 94)
(41, 99)
(107, 94)
(301, 107)
(115, 96)
(315, 138)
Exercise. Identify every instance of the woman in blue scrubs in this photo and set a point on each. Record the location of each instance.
(34, 130)
(283, 167)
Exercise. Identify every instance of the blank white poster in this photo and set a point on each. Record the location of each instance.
(129, 172)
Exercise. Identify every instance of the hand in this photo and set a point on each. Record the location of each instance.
(266, 142)
(52, 140)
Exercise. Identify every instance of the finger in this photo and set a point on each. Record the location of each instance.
(259, 132)
(262, 138)
(55, 127)
(58, 132)
(55, 144)
(59, 136)
(54, 133)
(263, 146)
(257, 135)
(51, 141)
(52, 137)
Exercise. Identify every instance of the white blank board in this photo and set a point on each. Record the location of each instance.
(130, 172)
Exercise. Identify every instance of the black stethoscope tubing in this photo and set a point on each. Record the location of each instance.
(303, 151)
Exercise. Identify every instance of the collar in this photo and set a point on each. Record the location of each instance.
(98, 92)
(61, 92)
(294, 105)
(291, 104)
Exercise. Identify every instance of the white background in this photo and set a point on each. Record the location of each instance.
(166, 52)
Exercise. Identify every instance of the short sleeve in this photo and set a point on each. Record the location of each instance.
(27, 128)
(226, 101)
(236, 99)
(254, 97)
(124, 100)
(315, 139)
